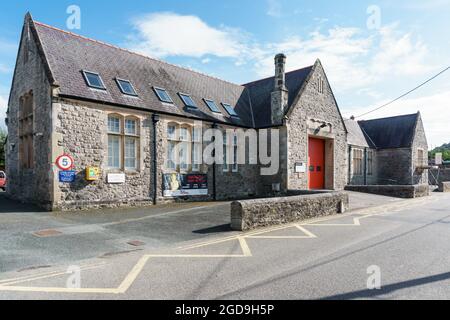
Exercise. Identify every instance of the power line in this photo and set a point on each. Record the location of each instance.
(405, 94)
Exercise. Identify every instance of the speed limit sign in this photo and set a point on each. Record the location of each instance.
(64, 162)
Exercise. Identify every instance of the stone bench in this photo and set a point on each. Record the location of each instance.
(444, 186)
(251, 214)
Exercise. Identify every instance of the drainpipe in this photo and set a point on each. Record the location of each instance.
(155, 120)
(365, 166)
(214, 126)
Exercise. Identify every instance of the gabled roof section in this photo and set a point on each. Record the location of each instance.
(68, 54)
(355, 136)
(260, 94)
(392, 132)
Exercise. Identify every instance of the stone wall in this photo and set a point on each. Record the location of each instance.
(81, 131)
(30, 185)
(315, 106)
(395, 166)
(420, 176)
(399, 191)
(444, 186)
(251, 214)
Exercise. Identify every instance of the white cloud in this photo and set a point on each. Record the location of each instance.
(170, 34)
(4, 68)
(353, 58)
(274, 8)
(435, 111)
(398, 54)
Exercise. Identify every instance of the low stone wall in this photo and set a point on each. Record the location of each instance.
(444, 186)
(251, 214)
(409, 191)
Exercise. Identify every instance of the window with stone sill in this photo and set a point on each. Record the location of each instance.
(228, 146)
(184, 148)
(123, 143)
(357, 162)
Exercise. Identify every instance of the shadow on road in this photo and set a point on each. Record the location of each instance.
(390, 288)
(11, 206)
(215, 229)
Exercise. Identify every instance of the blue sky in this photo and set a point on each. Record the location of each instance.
(372, 51)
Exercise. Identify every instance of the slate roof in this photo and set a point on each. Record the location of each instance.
(260, 93)
(67, 54)
(355, 135)
(393, 132)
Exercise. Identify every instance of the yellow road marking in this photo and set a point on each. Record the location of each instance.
(46, 275)
(139, 266)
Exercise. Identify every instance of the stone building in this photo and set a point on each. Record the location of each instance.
(129, 123)
(388, 151)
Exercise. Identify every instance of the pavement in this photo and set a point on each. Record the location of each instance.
(188, 252)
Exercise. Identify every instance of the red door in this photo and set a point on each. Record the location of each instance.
(316, 164)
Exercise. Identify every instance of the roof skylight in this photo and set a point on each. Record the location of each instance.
(212, 106)
(126, 87)
(163, 95)
(188, 100)
(230, 110)
(93, 80)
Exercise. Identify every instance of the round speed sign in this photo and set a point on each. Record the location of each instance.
(64, 162)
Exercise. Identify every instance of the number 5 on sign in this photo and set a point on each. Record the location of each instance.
(64, 162)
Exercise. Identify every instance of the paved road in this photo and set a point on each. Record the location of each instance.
(407, 241)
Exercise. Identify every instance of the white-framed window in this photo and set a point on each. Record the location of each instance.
(235, 166)
(184, 148)
(369, 162)
(357, 162)
(123, 142)
(197, 149)
(226, 167)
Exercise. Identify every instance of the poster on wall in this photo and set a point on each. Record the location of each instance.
(178, 185)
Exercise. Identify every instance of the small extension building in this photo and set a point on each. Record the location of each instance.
(388, 151)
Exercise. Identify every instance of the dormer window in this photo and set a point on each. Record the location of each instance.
(93, 80)
(212, 106)
(187, 100)
(230, 110)
(126, 87)
(163, 95)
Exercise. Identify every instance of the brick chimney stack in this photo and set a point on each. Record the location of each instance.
(279, 97)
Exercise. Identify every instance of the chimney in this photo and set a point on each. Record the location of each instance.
(279, 97)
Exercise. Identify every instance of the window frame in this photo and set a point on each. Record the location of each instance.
(123, 137)
(185, 95)
(357, 160)
(155, 89)
(89, 84)
(230, 110)
(217, 110)
(119, 84)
